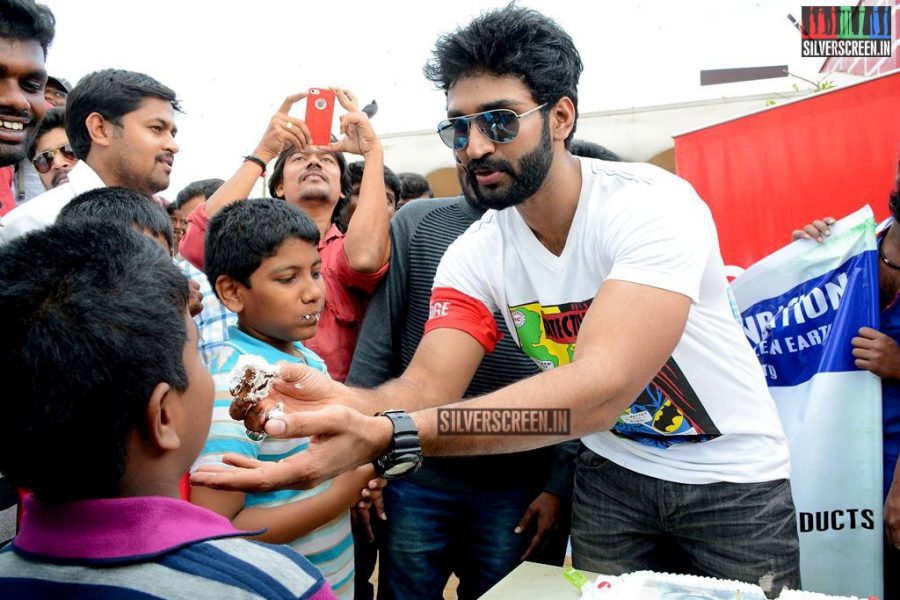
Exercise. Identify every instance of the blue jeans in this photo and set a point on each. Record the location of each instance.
(623, 521)
(432, 533)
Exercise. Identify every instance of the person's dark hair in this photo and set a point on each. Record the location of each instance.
(393, 182)
(203, 187)
(93, 319)
(55, 117)
(113, 93)
(414, 186)
(515, 41)
(244, 233)
(120, 206)
(592, 150)
(26, 20)
(355, 172)
(346, 186)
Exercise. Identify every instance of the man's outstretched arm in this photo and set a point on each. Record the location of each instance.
(627, 335)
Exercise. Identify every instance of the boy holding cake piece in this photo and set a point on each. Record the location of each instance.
(261, 258)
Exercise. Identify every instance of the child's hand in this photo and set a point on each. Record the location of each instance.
(372, 498)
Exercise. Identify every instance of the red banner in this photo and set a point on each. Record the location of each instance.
(768, 173)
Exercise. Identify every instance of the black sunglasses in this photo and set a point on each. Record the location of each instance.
(500, 125)
(43, 161)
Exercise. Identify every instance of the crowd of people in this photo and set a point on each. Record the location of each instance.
(562, 278)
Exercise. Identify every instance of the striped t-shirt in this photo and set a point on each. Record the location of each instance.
(330, 547)
(146, 547)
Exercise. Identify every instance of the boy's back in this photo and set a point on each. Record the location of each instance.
(146, 547)
(107, 404)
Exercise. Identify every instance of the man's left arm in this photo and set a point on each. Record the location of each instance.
(626, 336)
(376, 355)
(367, 244)
(878, 353)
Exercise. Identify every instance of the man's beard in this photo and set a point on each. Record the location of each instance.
(11, 154)
(524, 181)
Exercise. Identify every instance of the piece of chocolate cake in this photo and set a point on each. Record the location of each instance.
(251, 380)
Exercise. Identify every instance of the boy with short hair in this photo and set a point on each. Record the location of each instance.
(261, 257)
(108, 404)
(124, 206)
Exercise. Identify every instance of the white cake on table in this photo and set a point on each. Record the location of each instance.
(649, 585)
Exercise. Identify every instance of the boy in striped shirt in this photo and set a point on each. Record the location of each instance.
(261, 257)
(108, 403)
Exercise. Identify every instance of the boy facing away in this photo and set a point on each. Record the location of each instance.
(261, 257)
(108, 404)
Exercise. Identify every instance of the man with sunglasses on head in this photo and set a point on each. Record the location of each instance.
(121, 125)
(608, 275)
(50, 152)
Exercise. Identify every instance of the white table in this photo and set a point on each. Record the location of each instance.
(534, 580)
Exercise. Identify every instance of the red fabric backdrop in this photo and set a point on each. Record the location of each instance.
(770, 172)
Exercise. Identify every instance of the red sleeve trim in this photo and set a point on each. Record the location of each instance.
(454, 310)
(191, 246)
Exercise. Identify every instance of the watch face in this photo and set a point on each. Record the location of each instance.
(399, 469)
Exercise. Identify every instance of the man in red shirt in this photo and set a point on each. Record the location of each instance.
(314, 179)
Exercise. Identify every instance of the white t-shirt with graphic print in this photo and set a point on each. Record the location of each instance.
(707, 416)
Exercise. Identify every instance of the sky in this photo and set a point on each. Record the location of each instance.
(232, 63)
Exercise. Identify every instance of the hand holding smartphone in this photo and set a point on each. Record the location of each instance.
(319, 115)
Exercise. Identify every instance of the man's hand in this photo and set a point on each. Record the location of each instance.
(877, 353)
(545, 509)
(817, 230)
(297, 387)
(359, 137)
(340, 439)
(283, 131)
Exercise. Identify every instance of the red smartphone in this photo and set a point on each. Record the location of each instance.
(319, 113)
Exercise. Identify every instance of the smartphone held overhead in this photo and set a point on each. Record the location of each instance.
(319, 114)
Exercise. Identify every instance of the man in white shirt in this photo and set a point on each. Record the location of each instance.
(121, 125)
(610, 277)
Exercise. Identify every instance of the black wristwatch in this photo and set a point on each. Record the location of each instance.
(404, 456)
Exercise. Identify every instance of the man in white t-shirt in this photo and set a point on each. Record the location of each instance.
(610, 276)
(121, 127)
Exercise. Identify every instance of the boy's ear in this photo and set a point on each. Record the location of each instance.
(99, 129)
(230, 292)
(161, 418)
